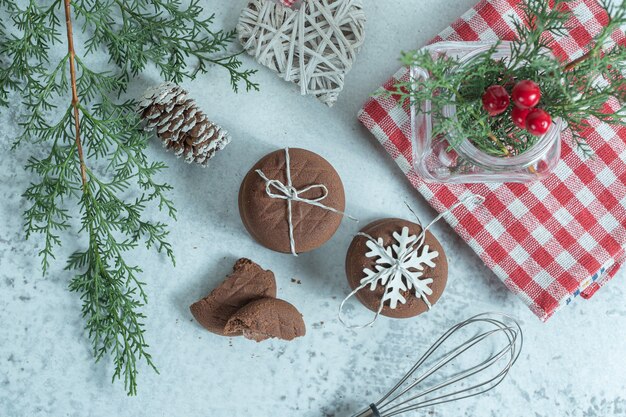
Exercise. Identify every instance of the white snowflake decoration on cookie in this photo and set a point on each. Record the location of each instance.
(400, 268)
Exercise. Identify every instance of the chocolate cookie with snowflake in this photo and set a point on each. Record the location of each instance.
(401, 271)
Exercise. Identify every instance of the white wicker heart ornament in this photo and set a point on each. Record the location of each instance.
(313, 46)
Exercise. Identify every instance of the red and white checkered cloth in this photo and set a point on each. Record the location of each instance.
(551, 240)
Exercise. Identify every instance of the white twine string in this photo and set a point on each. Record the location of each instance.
(417, 245)
(290, 193)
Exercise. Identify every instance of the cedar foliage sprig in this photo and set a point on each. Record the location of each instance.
(96, 168)
(575, 92)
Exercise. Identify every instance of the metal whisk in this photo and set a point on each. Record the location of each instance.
(497, 337)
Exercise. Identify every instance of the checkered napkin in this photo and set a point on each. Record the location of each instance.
(551, 240)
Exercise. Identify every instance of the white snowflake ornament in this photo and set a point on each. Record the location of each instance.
(400, 267)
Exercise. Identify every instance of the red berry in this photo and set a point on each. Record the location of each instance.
(538, 122)
(496, 100)
(526, 94)
(519, 117)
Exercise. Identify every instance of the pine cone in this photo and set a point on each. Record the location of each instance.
(180, 124)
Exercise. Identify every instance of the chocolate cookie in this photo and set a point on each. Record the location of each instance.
(357, 262)
(267, 318)
(247, 282)
(267, 218)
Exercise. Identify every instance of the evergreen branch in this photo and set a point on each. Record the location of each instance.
(58, 181)
(168, 39)
(233, 65)
(38, 27)
(39, 99)
(108, 293)
(111, 296)
(75, 103)
(96, 148)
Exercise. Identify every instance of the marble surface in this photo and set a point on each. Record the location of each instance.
(572, 366)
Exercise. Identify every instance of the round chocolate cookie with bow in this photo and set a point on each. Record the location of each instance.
(292, 201)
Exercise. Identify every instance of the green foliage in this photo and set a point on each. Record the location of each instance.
(120, 182)
(162, 32)
(574, 92)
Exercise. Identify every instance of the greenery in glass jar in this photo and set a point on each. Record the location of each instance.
(575, 92)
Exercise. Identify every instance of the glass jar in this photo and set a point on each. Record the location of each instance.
(433, 159)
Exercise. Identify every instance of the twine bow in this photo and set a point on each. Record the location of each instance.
(416, 246)
(290, 193)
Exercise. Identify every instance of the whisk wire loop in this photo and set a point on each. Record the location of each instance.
(449, 357)
(396, 402)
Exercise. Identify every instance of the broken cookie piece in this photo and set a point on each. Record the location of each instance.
(267, 318)
(247, 282)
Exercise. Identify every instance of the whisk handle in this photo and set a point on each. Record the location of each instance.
(370, 412)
